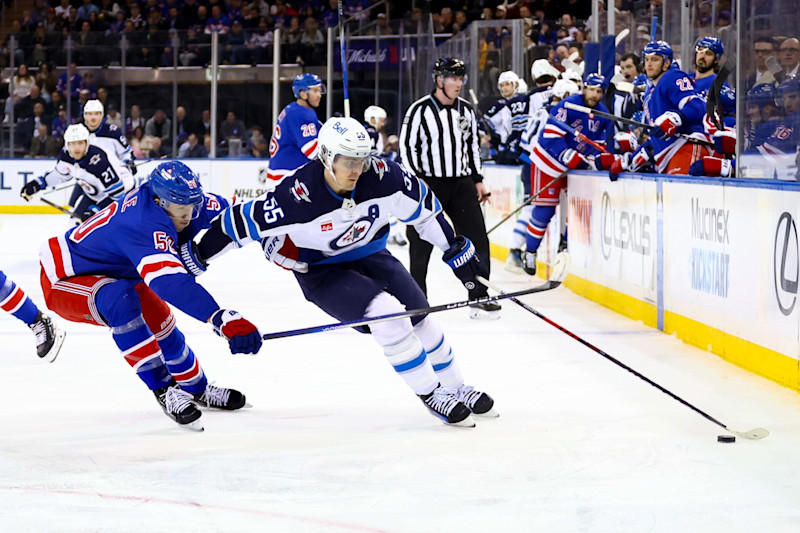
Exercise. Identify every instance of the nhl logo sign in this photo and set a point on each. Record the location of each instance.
(463, 124)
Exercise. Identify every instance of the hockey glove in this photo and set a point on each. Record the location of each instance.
(132, 166)
(606, 161)
(242, 335)
(725, 142)
(283, 252)
(573, 159)
(713, 166)
(31, 188)
(625, 141)
(666, 125)
(191, 259)
(619, 166)
(466, 264)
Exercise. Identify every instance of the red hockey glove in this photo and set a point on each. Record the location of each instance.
(713, 166)
(283, 252)
(625, 141)
(573, 159)
(666, 125)
(725, 142)
(242, 335)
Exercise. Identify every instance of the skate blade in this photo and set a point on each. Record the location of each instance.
(467, 423)
(513, 268)
(491, 413)
(197, 425)
(480, 314)
(53, 353)
(247, 405)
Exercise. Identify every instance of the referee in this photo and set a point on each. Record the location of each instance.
(439, 142)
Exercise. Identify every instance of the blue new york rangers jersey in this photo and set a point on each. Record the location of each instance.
(328, 228)
(674, 92)
(111, 139)
(553, 139)
(134, 239)
(294, 140)
(99, 175)
(727, 97)
(784, 137)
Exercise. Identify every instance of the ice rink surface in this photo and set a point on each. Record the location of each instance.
(336, 442)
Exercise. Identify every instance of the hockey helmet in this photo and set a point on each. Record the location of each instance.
(374, 111)
(761, 95)
(522, 87)
(76, 133)
(508, 76)
(564, 88)
(93, 106)
(449, 66)
(176, 188)
(661, 48)
(346, 137)
(594, 80)
(303, 82)
(541, 68)
(789, 87)
(710, 43)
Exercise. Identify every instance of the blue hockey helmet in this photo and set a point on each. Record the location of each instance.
(761, 95)
(594, 80)
(173, 182)
(789, 86)
(710, 43)
(303, 82)
(661, 48)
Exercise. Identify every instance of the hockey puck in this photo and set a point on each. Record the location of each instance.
(726, 438)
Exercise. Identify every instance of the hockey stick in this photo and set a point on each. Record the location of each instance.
(580, 136)
(590, 111)
(713, 107)
(546, 286)
(56, 206)
(343, 55)
(753, 434)
(527, 202)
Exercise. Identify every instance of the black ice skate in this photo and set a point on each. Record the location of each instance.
(48, 337)
(444, 404)
(480, 403)
(179, 406)
(485, 311)
(221, 398)
(529, 263)
(514, 261)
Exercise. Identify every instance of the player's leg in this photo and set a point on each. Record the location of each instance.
(348, 295)
(520, 230)
(544, 207)
(683, 158)
(14, 301)
(180, 358)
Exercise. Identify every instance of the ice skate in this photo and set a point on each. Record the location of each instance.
(485, 311)
(221, 398)
(179, 406)
(480, 403)
(48, 337)
(444, 404)
(529, 263)
(514, 261)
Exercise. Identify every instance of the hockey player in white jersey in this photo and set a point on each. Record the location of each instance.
(328, 221)
(100, 176)
(107, 136)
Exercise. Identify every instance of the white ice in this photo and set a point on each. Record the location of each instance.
(336, 442)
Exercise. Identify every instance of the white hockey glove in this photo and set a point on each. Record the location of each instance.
(283, 252)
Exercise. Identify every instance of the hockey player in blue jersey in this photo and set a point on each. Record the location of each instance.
(556, 150)
(119, 268)
(763, 116)
(336, 210)
(673, 106)
(294, 139)
(708, 52)
(15, 302)
(100, 177)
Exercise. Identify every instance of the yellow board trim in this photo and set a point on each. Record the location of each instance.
(29, 210)
(752, 357)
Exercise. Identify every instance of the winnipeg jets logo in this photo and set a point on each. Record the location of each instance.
(300, 192)
(463, 124)
(95, 159)
(355, 233)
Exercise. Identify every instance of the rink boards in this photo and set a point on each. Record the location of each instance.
(714, 262)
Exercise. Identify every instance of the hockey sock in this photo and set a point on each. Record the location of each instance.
(439, 352)
(141, 351)
(537, 225)
(402, 348)
(182, 363)
(519, 236)
(13, 300)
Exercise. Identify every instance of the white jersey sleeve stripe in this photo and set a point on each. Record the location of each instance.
(154, 266)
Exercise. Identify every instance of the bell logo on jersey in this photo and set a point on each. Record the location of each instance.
(300, 192)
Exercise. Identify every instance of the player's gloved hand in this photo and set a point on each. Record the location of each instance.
(618, 166)
(573, 159)
(282, 251)
(31, 188)
(713, 166)
(242, 335)
(132, 166)
(194, 263)
(606, 161)
(464, 261)
(666, 125)
(625, 141)
(725, 142)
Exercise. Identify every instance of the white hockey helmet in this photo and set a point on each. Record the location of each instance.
(563, 88)
(374, 111)
(573, 76)
(522, 87)
(343, 136)
(541, 68)
(76, 133)
(93, 106)
(507, 76)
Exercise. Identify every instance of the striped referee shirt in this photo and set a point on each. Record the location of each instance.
(441, 141)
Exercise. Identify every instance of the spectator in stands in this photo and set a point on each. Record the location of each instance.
(137, 140)
(62, 11)
(183, 124)
(291, 41)
(60, 123)
(109, 9)
(259, 41)
(189, 12)
(24, 108)
(235, 51)
(217, 21)
(205, 118)
(159, 127)
(250, 18)
(40, 42)
(330, 17)
(231, 128)
(43, 144)
(87, 84)
(73, 23)
(151, 49)
(313, 43)
(190, 52)
(382, 24)
(86, 8)
(136, 16)
(51, 22)
(21, 40)
(47, 81)
(461, 20)
(789, 56)
(86, 43)
(500, 12)
(763, 47)
(26, 22)
(28, 127)
(194, 148)
(75, 81)
(134, 120)
(202, 17)
(257, 144)
(113, 116)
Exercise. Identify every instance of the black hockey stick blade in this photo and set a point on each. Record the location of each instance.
(713, 107)
(547, 286)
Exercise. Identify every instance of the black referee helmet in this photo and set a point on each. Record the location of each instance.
(449, 66)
